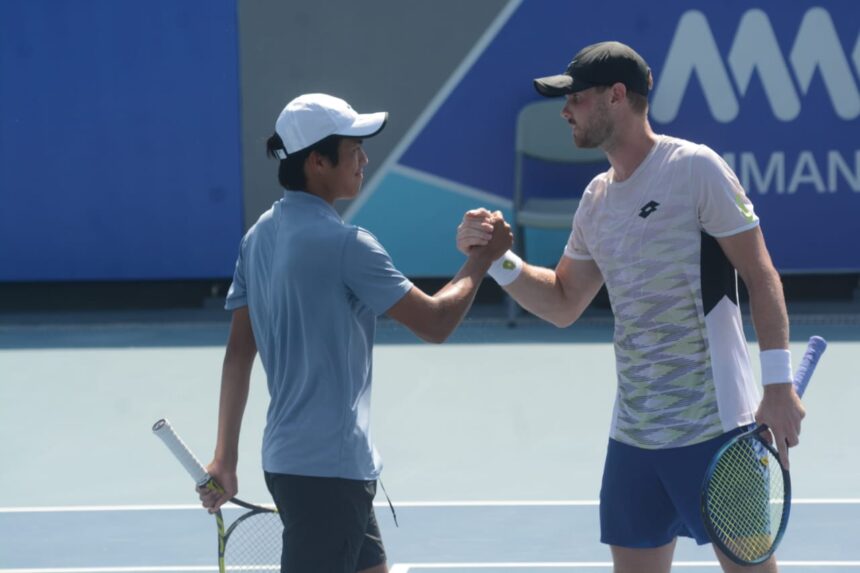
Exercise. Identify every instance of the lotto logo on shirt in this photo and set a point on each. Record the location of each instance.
(649, 208)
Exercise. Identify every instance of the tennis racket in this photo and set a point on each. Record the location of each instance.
(253, 541)
(746, 495)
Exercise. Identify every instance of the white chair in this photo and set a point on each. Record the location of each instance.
(542, 135)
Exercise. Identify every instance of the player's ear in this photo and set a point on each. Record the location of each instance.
(315, 162)
(618, 92)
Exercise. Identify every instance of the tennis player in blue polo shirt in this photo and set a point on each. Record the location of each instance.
(306, 293)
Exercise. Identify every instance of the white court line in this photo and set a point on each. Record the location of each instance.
(508, 503)
(503, 503)
(94, 508)
(823, 501)
(180, 568)
(407, 567)
(381, 504)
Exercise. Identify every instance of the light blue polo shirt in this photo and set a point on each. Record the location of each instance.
(314, 287)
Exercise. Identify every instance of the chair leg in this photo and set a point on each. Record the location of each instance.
(513, 310)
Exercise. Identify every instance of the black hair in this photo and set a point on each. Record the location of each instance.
(291, 171)
(638, 102)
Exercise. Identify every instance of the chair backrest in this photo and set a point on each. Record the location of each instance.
(544, 135)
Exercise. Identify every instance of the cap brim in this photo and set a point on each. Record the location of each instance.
(366, 125)
(554, 86)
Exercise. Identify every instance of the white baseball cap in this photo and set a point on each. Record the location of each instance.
(312, 117)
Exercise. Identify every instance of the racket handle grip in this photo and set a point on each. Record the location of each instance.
(813, 353)
(174, 443)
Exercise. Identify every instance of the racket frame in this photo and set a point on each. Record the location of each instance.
(814, 349)
(163, 429)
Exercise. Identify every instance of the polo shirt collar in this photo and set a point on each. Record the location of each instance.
(302, 198)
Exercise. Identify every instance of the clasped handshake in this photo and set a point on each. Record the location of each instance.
(484, 233)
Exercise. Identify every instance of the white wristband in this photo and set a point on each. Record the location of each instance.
(506, 268)
(775, 366)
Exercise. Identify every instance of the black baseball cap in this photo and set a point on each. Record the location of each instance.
(602, 64)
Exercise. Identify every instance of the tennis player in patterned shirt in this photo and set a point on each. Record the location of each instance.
(667, 229)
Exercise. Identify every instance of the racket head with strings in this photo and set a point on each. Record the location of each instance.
(746, 498)
(746, 493)
(254, 538)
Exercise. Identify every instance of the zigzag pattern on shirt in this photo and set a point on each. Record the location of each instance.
(666, 393)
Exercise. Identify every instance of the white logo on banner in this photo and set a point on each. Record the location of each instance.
(755, 50)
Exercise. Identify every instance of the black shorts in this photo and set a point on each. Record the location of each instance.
(329, 523)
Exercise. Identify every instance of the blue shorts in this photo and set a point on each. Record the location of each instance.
(649, 497)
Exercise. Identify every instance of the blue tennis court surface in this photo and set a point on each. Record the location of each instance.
(492, 537)
(550, 535)
(493, 445)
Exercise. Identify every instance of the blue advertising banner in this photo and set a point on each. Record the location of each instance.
(772, 86)
(119, 140)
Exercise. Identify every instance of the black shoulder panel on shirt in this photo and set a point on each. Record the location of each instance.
(719, 278)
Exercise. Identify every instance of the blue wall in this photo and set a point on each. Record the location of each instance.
(119, 139)
(774, 86)
(120, 134)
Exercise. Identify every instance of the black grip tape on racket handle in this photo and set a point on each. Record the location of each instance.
(813, 353)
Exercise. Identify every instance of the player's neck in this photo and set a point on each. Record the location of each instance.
(322, 191)
(629, 149)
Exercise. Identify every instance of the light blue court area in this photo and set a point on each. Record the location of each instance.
(493, 446)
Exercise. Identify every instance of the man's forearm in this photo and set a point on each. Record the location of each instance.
(235, 382)
(558, 296)
(768, 312)
(538, 290)
(454, 300)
